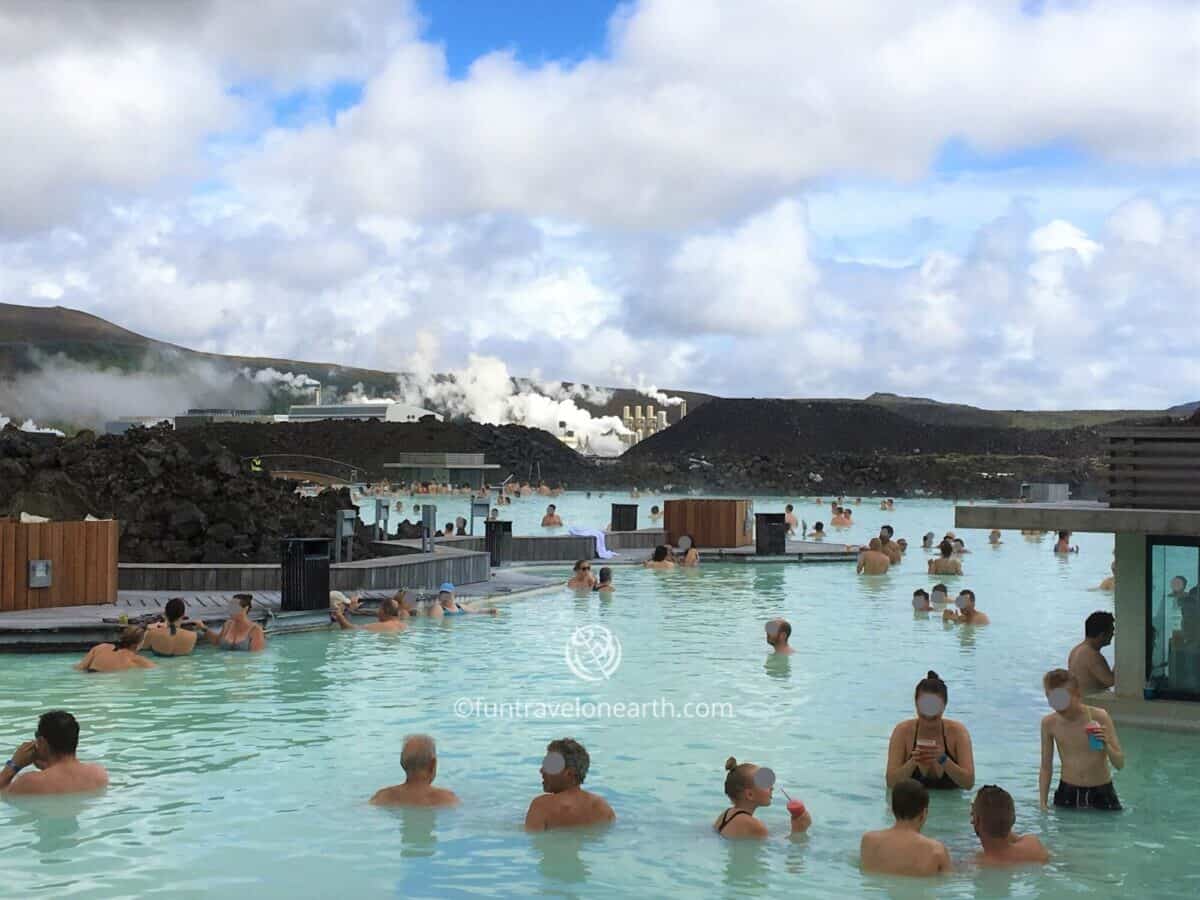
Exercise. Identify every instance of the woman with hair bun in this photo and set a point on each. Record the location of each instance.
(931, 749)
(748, 787)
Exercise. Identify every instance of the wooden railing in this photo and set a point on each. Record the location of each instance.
(1153, 468)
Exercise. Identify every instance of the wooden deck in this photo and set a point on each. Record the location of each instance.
(76, 628)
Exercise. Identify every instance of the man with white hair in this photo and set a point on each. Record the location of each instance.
(418, 758)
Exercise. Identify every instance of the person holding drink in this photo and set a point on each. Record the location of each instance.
(932, 750)
(749, 787)
(1087, 742)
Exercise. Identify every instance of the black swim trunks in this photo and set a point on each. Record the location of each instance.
(1068, 796)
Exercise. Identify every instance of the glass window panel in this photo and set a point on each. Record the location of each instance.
(1173, 616)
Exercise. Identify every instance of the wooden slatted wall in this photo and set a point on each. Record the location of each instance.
(84, 557)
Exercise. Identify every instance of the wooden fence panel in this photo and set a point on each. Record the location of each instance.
(83, 559)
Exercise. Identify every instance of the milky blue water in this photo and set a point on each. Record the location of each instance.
(239, 775)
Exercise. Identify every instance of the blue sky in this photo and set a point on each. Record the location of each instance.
(994, 203)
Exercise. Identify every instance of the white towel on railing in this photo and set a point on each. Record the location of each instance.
(601, 551)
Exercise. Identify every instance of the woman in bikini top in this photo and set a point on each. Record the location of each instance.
(927, 757)
(748, 787)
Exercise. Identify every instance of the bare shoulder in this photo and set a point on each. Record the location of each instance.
(384, 797)
(446, 797)
(902, 728)
(601, 805)
(957, 728)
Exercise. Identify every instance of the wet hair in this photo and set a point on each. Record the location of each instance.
(995, 813)
(59, 730)
(785, 628)
(1057, 678)
(130, 637)
(390, 608)
(875, 544)
(909, 799)
(660, 553)
(654, 509)
(932, 684)
(550, 507)
(418, 753)
(941, 587)
(245, 600)
(921, 592)
(946, 548)
(820, 526)
(173, 612)
(573, 754)
(787, 508)
(739, 777)
(1064, 535)
(970, 593)
(1098, 623)
(889, 529)
(579, 564)
(605, 575)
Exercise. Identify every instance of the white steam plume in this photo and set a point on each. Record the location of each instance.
(656, 395)
(30, 426)
(485, 392)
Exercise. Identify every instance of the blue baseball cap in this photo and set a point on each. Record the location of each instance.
(446, 588)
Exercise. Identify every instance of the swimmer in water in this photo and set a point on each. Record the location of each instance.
(1063, 544)
(388, 619)
(655, 514)
(945, 564)
(605, 585)
(931, 749)
(1085, 662)
(418, 758)
(960, 547)
(993, 815)
(1109, 583)
(927, 541)
(966, 614)
(551, 519)
(1086, 740)
(748, 788)
(691, 556)
(52, 752)
(888, 546)
(118, 656)
(447, 605)
(939, 593)
(661, 558)
(994, 537)
(582, 579)
(817, 533)
(902, 849)
(872, 560)
(920, 601)
(779, 631)
(789, 519)
(172, 636)
(564, 803)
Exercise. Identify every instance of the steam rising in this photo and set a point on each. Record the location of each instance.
(486, 392)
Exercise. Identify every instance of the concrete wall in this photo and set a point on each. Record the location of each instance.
(1130, 610)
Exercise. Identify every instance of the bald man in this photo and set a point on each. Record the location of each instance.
(418, 758)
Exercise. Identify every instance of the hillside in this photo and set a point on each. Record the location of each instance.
(32, 337)
(932, 412)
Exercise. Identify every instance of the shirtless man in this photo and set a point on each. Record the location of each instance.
(1063, 544)
(993, 815)
(565, 803)
(818, 532)
(1086, 662)
(119, 656)
(661, 559)
(994, 537)
(945, 564)
(52, 750)
(418, 758)
(966, 614)
(789, 519)
(605, 584)
(888, 546)
(779, 631)
(902, 849)
(389, 618)
(655, 514)
(873, 561)
(920, 601)
(551, 519)
(1087, 742)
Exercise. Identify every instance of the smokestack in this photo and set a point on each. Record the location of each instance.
(317, 395)
(637, 413)
(650, 411)
(625, 414)
(683, 409)
(662, 419)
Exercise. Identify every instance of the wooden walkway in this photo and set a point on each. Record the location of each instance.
(76, 628)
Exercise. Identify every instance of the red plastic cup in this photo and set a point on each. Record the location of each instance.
(796, 808)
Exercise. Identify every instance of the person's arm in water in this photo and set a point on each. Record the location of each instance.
(84, 663)
(1112, 746)
(901, 764)
(340, 618)
(258, 639)
(23, 756)
(1047, 767)
(1099, 670)
(963, 771)
(535, 818)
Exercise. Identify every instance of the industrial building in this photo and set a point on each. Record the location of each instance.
(441, 468)
(380, 410)
(643, 424)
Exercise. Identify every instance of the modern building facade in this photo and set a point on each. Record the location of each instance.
(1153, 510)
(441, 468)
(383, 411)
